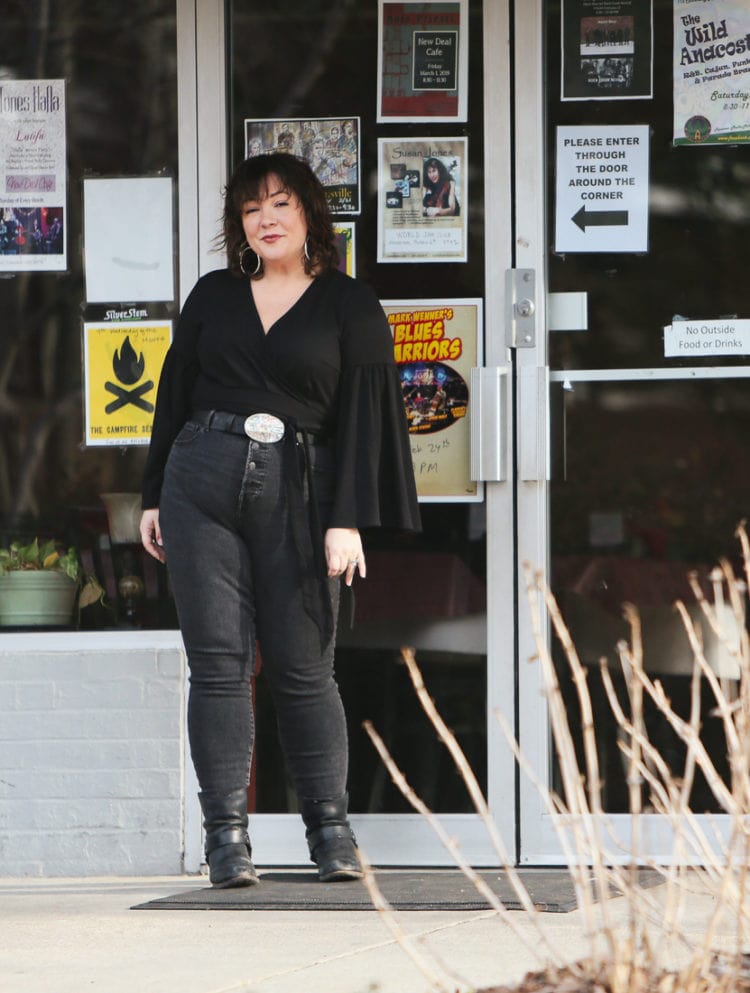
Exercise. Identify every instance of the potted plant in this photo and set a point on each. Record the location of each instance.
(39, 583)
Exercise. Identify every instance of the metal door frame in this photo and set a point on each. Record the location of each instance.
(403, 839)
(538, 841)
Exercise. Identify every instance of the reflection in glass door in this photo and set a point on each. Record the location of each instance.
(653, 485)
(648, 469)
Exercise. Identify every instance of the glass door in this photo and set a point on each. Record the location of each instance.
(647, 406)
(303, 78)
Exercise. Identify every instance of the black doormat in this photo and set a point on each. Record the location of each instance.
(550, 890)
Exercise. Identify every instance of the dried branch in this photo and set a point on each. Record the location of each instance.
(453, 847)
(391, 922)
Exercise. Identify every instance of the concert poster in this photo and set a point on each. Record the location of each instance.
(422, 199)
(330, 146)
(436, 343)
(423, 61)
(711, 72)
(122, 363)
(607, 49)
(33, 176)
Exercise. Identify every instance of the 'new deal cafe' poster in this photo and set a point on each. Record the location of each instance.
(711, 72)
(122, 364)
(436, 343)
(423, 63)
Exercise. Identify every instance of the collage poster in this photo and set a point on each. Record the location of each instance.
(607, 49)
(436, 343)
(711, 72)
(122, 364)
(422, 205)
(330, 146)
(33, 177)
(423, 61)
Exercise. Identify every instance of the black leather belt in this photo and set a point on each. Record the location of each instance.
(222, 420)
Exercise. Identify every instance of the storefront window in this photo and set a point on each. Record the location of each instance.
(118, 64)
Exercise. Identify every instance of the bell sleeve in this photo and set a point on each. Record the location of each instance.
(173, 405)
(375, 477)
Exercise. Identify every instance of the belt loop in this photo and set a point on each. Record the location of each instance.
(211, 415)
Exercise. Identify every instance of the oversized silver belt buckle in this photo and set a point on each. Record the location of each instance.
(264, 427)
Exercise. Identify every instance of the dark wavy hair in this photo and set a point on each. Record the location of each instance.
(249, 181)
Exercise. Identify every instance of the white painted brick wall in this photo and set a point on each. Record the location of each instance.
(92, 755)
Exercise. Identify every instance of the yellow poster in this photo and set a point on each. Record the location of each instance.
(436, 344)
(122, 364)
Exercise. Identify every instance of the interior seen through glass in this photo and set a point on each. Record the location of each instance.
(649, 476)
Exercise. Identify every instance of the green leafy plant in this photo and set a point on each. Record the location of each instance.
(47, 556)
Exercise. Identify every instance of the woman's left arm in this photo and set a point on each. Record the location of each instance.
(344, 554)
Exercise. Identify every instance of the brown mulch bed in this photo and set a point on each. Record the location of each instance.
(567, 981)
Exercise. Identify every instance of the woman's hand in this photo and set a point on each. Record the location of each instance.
(343, 547)
(151, 534)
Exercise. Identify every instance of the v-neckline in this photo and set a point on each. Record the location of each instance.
(266, 331)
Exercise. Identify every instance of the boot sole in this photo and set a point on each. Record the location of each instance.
(341, 876)
(236, 882)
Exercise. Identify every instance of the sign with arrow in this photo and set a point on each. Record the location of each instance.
(602, 189)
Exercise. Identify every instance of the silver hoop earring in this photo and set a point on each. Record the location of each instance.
(258, 263)
(306, 253)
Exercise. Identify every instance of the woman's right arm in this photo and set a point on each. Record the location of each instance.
(173, 404)
(151, 534)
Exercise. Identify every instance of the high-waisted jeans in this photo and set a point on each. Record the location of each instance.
(235, 571)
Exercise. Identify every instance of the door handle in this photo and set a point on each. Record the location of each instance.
(488, 423)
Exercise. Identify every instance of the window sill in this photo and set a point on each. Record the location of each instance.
(44, 642)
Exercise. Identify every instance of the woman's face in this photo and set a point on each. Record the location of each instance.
(432, 172)
(275, 225)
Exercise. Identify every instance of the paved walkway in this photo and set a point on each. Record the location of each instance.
(79, 935)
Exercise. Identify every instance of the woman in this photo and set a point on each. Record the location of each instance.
(439, 197)
(279, 432)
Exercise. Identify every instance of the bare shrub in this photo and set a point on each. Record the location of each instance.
(653, 951)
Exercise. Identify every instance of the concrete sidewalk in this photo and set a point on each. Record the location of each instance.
(79, 935)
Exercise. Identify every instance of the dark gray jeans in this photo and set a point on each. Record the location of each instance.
(235, 573)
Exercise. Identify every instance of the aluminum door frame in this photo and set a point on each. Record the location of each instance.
(395, 839)
(538, 839)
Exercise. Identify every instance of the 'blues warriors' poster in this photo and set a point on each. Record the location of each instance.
(436, 343)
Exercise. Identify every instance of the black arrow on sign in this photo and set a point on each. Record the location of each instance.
(600, 218)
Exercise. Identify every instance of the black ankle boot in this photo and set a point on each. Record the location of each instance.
(331, 839)
(227, 844)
